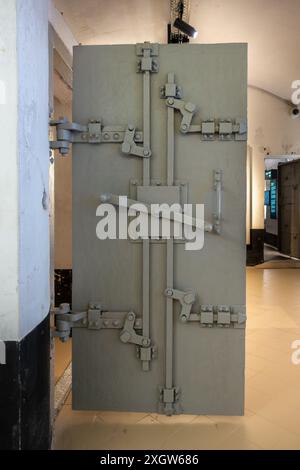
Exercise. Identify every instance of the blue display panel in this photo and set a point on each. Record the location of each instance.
(267, 198)
(273, 199)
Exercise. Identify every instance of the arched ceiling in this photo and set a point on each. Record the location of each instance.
(270, 27)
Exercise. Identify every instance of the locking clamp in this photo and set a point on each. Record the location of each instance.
(186, 299)
(129, 146)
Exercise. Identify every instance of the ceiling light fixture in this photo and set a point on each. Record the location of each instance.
(185, 28)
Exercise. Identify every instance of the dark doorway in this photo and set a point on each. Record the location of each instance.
(289, 208)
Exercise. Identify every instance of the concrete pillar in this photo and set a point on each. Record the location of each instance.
(24, 218)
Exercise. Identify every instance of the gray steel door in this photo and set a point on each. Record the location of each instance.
(166, 326)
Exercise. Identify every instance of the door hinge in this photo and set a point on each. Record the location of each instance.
(94, 132)
(96, 318)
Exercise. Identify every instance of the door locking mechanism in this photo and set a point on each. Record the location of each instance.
(187, 110)
(128, 334)
(186, 299)
(145, 351)
(209, 129)
(96, 318)
(129, 146)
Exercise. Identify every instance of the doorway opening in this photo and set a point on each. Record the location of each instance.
(61, 88)
(281, 207)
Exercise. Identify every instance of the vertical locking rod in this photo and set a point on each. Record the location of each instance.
(146, 182)
(170, 256)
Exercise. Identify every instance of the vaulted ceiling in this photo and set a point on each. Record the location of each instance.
(270, 27)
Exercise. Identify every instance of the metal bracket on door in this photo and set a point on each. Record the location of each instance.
(147, 51)
(221, 316)
(169, 401)
(218, 204)
(186, 300)
(221, 129)
(68, 133)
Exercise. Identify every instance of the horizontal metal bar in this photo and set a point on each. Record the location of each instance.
(107, 136)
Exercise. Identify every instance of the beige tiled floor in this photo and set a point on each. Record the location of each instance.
(272, 415)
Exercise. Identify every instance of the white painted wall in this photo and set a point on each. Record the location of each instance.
(9, 230)
(24, 216)
(33, 96)
(61, 28)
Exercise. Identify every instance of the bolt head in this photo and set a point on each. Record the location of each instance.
(170, 101)
(64, 308)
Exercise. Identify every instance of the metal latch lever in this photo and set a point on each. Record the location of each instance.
(186, 300)
(128, 334)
